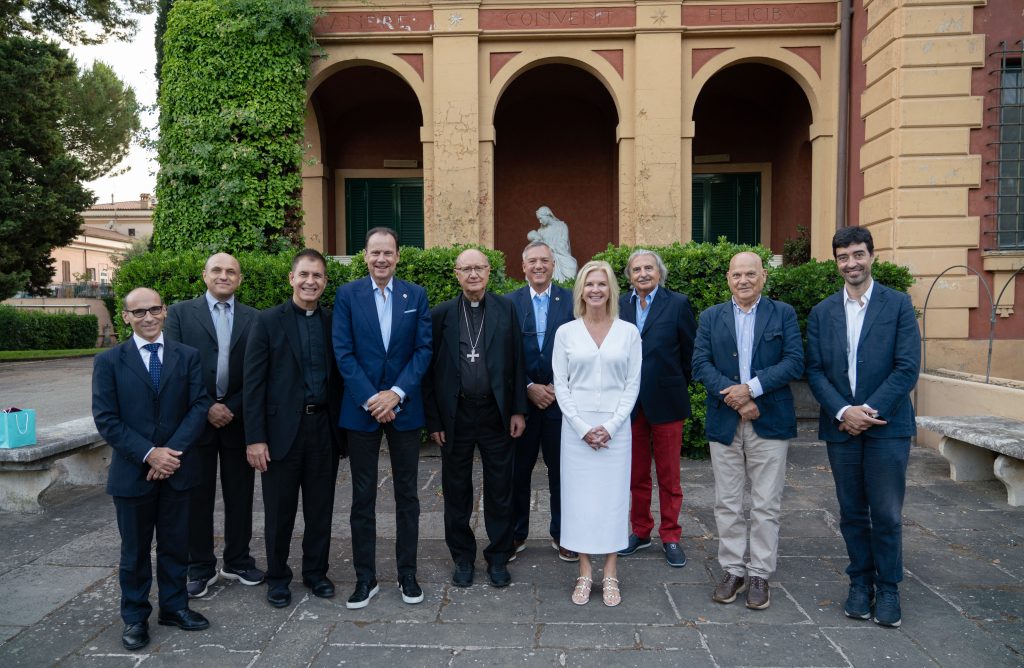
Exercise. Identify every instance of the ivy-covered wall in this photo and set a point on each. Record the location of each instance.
(232, 102)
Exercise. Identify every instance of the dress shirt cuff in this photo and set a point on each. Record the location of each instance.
(842, 411)
(755, 387)
(148, 453)
(400, 392)
(366, 404)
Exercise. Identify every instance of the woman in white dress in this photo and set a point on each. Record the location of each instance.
(596, 365)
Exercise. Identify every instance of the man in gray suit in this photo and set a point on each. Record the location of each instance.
(217, 325)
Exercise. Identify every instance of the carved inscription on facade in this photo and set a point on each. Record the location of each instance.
(760, 15)
(341, 22)
(557, 18)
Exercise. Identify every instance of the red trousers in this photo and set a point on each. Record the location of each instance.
(665, 441)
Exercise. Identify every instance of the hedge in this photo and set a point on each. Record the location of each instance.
(698, 270)
(22, 329)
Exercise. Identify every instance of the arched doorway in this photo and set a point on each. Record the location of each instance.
(751, 157)
(555, 146)
(370, 121)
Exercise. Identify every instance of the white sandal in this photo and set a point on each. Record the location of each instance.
(581, 592)
(610, 592)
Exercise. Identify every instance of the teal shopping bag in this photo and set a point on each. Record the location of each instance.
(17, 428)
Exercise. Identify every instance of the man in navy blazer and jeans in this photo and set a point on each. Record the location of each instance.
(150, 403)
(863, 359)
(748, 350)
(667, 328)
(542, 307)
(382, 347)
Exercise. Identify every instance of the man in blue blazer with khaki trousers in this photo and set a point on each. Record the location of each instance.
(150, 403)
(382, 346)
(542, 308)
(863, 359)
(748, 350)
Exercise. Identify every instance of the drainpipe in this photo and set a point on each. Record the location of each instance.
(843, 138)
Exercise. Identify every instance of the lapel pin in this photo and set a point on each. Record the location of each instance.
(405, 296)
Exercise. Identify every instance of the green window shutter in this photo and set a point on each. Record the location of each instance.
(410, 213)
(356, 214)
(748, 208)
(721, 197)
(698, 211)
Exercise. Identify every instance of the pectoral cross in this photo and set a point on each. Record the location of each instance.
(472, 355)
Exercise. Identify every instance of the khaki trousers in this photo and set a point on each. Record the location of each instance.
(762, 462)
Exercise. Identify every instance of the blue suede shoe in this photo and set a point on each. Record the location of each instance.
(635, 543)
(859, 601)
(887, 609)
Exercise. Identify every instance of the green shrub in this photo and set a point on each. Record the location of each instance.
(22, 329)
(178, 276)
(797, 250)
(232, 105)
(434, 270)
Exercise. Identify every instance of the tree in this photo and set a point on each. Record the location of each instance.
(232, 103)
(163, 8)
(41, 192)
(65, 18)
(101, 121)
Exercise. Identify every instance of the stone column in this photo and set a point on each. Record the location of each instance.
(658, 125)
(455, 189)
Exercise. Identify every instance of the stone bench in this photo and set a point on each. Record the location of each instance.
(982, 447)
(70, 453)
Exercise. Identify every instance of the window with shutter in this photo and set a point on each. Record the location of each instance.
(727, 205)
(394, 203)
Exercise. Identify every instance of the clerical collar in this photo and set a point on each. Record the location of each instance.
(473, 304)
(305, 312)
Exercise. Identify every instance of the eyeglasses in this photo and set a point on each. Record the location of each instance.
(141, 312)
(472, 270)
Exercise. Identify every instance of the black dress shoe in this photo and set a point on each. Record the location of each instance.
(462, 576)
(184, 619)
(322, 588)
(364, 591)
(499, 574)
(135, 636)
(279, 596)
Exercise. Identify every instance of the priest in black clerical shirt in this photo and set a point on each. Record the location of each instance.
(475, 396)
(291, 394)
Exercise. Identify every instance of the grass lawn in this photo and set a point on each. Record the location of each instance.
(24, 355)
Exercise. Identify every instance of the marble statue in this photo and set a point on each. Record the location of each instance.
(555, 233)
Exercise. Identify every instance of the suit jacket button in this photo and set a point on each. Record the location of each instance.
(734, 355)
(735, 377)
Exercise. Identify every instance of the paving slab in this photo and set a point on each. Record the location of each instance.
(962, 596)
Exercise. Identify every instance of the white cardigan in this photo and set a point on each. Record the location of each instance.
(597, 380)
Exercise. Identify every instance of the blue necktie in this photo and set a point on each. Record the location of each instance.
(154, 364)
(540, 314)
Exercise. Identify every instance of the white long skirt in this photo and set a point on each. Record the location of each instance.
(595, 490)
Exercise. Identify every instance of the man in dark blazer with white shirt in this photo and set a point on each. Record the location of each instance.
(149, 404)
(542, 307)
(863, 360)
(217, 325)
(291, 392)
(382, 347)
(474, 396)
(748, 350)
(667, 328)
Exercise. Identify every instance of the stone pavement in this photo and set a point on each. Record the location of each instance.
(963, 596)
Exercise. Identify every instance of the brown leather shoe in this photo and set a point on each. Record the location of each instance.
(567, 555)
(759, 596)
(728, 588)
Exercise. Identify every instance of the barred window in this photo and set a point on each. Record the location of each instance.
(1009, 165)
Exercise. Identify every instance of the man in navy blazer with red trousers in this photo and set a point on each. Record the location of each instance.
(149, 403)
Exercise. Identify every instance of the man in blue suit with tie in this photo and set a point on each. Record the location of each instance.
(382, 344)
(150, 404)
(542, 308)
(863, 360)
(748, 350)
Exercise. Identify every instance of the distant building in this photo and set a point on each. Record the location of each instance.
(132, 218)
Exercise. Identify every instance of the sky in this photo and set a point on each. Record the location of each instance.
(134, 62)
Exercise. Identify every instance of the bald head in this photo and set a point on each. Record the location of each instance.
(144, 312)
(222, 275)
(746, 277)
(472, 269)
